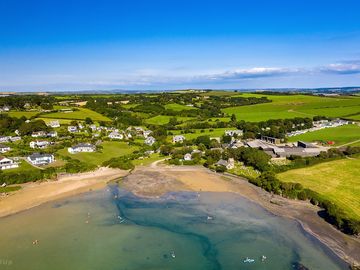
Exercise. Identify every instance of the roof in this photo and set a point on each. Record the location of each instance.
(222, 162)
(83, 145)
(37, 155)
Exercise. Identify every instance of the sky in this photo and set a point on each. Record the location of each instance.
(178, 44)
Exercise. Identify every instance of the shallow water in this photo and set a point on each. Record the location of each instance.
(112, 229)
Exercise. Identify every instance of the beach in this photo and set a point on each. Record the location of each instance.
(36, 193)
(157, 180)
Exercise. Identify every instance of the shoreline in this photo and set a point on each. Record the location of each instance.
(33, 194)
(156, 180)
(159, 180)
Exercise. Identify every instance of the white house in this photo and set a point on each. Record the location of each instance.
(7, 163)
(54, 124)
(38, 134)
(4, 139)
(187, 157)
(178, 139)
(150, 140)
(147, 133)
(82, 147)
(72, 129)
(229, 164)
(52, 134)
(233, 132)
(116, 135)
(4, 148)
(39, 144)
(40, 159)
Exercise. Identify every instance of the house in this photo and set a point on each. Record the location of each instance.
(232, 133)
(52, 134)
(270, 139)
(187, 157)
(7, 163)
(15, 138)
(4, 139)
(38, 134)
(150, 140)
(4, 148)
(82, 147)
(146, 133)
(228, 164)
(39, 144)
(116, 135)
(41, 159)
(54, 124)
(178, 139)
(72, 129)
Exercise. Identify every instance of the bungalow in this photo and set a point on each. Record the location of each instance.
(54, 124)
(7, 163)
(41, 159)
(82, 147)
(39, 144)
(228, 164)
(116, 135)
(178, 139)
(38, 134)
(72, 129)
(52, 134)
(15, 138)
(4, 139)
(150, 140)
(4, 148)
(187, 157)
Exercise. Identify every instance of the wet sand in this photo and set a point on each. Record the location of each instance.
(36, 193)
(155, 181)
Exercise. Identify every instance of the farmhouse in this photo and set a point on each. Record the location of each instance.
(41, 159)
(178, 139)
(116, 135)
(82, 147)
(54, 124)
(4, 148)
(150, 140)
(7, 163)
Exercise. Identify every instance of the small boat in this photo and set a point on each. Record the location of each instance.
(210, 218)
(263, 258)
(172, 253)
(248, 260)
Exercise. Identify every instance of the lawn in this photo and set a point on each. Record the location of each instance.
(110, 150)
(338, 181)
(164, 119)
(178, 107)
(148, 160)
(23, 166)
(290, 106)
(340, 135)
(80, 114)
(19, 114)
(217, 132)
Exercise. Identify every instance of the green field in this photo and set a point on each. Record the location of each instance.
(217, 132)
(291, 106)
(340, 135)
(178, 107)
(110, 150)
(148, 160)
(338, 181)
(23, 167)
(81, 114)
(164, 119)
(19, 114)
(61, 121)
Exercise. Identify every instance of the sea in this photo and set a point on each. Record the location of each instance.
(114, 229)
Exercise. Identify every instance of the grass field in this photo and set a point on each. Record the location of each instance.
(290, 106)
(147, 161)
(81, 114)
(338, 181)
(340, 135)
(164, 119)
(19, 114)
(23, 166)
(61, 121)
(110, 150)
(217, 132)
(178, 107)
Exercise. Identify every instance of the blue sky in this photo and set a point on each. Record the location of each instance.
(157, 44)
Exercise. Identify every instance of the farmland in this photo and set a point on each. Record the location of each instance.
(336, 180)
(79, 114)
(164, 119)
(110, 150)
(178, 107)
(340, 135)
(19, 114)
(217, 132)
(290, 106)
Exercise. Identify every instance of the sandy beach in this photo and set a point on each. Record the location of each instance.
(36, 193)
(155, 181)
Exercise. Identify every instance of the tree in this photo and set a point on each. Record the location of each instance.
(88, 121)
(205, 140)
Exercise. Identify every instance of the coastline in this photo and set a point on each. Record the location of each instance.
(33, 194)
(156, 180)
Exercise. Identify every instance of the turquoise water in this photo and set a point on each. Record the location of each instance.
(112, 229)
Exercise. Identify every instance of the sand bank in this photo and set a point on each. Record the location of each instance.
(158, 180)
(35, 193)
